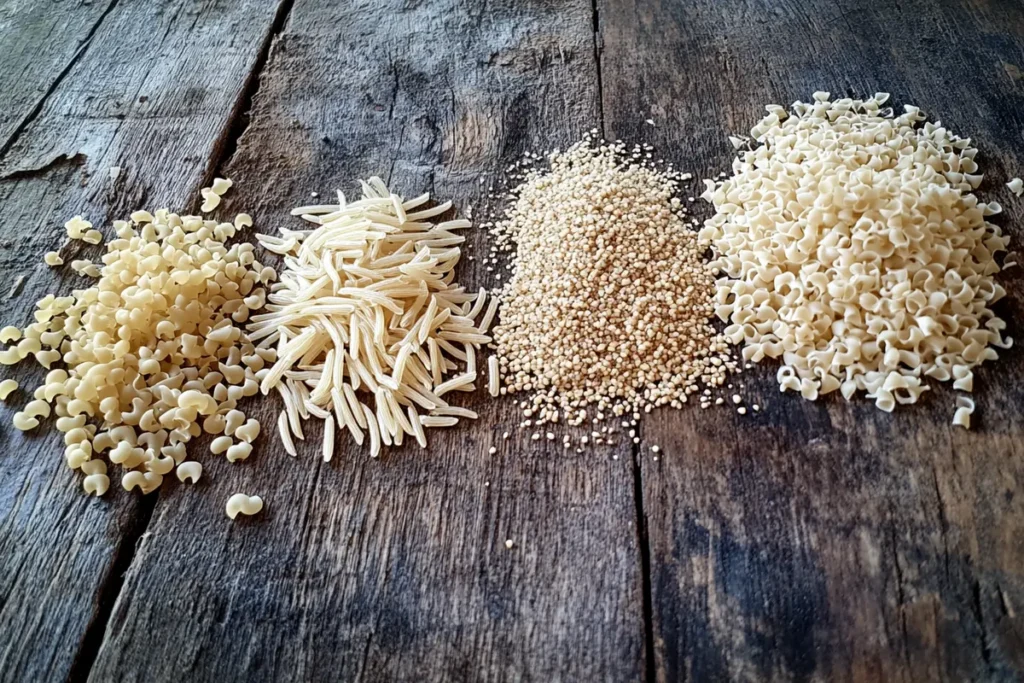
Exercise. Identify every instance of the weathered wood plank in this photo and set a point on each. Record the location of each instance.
(828, 541)
(397, 569)
(137, 100)
(41, 42)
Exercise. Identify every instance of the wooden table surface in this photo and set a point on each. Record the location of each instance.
(808, 542)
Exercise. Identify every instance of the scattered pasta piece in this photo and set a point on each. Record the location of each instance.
(146, 482)
(493, 378)
(239, 451)
(240, 503)
(964, 410)
(25, 422)
(221, 185)
(328, 448)
(963, 378)
(7, 386)
(189, 471)
(77, 227)
(211, 200)
(96, 484)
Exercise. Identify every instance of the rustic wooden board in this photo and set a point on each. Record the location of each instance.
(42, 41)
(135, 99)
(828, 541)
(397, 569)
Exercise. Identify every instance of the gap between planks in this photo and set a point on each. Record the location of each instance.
(643, 541)
(238, 121)
(34, 113)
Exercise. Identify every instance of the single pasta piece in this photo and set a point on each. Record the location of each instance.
(189, 471)
(493, 380)
(964, 410)
(328, 450)
(285, 433)
(7, 386)
(96, 484)
(240, 503)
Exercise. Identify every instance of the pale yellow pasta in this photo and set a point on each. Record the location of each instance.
(211, 200)
(963, 378)
(964, 410)
(189, 472)
(127, 456)
(248, 432)
(220, 444)
(239, 451)
(146, 482)
(96, 484)
(161, 464)
(94, 467)
(7, 386)
(240, 503)
(24, 422)
(76, 457)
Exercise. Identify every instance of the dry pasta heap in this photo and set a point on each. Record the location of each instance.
(371, 330)
(853, 249)
(153, 353)
(611, 298)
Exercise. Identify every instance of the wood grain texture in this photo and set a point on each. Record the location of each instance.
(828, 541)
(397, 569)
(137, 100)
(42, 41)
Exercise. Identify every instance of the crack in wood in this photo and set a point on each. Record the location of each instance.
(598, 49)
(110, 591)
(979, 615)
(643, 540)
(111, 587)
(900, 595)
(238, 122)
(943, 522)
(75, 159)
(34, 113)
